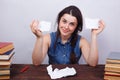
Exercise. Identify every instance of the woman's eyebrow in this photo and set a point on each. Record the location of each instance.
(68, 20)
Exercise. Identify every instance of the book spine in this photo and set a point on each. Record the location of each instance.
(7, 48)
(4, 77)
(113, 69)
(2, 72)
(7, 57)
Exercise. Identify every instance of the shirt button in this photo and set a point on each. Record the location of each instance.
(64, 55)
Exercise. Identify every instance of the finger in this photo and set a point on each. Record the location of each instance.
(102, 23)
(37, 23)
(32, 23)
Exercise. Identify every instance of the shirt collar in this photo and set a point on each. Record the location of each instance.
(60, 41)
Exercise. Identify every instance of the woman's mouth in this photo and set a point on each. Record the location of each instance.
(65, 31)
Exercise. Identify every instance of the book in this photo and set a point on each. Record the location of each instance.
(5, 62)
(112, 65)
(4, 72)
(7, 55)
(113, 58)
(112, 68)
(112, 74)
(5, 46)
(4, 77)
(113, 61)
(4, 67)
(107, 77)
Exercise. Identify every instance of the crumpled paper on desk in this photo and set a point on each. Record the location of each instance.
(59, 73)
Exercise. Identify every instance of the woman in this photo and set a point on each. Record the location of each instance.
(65, 46)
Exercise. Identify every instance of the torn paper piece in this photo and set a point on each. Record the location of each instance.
(91, 23)
(49, 69)
(59, 73)
(44, 26)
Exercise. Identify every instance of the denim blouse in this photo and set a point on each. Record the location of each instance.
(61, 55)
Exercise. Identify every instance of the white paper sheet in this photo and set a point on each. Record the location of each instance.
(91, 23)
(44, 26)
(59, 73)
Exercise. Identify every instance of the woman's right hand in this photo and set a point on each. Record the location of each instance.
(35, 29)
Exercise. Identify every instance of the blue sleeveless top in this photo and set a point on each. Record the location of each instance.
(61, 55)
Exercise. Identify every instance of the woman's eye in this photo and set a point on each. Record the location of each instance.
(64, 21)
(72, 24)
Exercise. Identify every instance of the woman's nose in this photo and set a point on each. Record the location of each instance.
(67, 25)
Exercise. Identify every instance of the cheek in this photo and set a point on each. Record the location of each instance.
(72, 28)
(61, 24)
(60, 27)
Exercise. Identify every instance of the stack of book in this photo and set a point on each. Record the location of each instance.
(112, 67)
(6, 54)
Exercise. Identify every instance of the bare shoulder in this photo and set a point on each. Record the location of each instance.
(83, 41)
(47, 38)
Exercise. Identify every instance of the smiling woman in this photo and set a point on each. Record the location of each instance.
(67, 25)
(65, 46)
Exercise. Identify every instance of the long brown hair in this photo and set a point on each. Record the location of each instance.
(74, 11)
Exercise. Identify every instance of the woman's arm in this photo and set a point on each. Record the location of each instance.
(41, 44)
(90, 51)
(40, 49)
(37, 55)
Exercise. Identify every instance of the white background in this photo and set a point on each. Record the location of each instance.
(16, 16)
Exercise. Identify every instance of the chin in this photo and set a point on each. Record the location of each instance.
(65, 34)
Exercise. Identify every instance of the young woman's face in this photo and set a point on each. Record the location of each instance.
(67, 25)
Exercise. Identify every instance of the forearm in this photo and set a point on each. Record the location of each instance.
(93, 56)
(37, 55)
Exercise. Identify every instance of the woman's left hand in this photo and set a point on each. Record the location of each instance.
(100, 28)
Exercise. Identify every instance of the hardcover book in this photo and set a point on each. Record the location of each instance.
(112, 66)
(107, 77)
(4, 77)
(5, 62)
(113, 57)
(4, 67)
(112, 74)
(112, 61)
(5, 46)
(4, 72)
(7, 55)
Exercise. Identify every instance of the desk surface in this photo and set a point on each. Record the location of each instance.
(84, 72)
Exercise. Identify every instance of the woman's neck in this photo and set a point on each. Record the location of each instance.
(64, 38)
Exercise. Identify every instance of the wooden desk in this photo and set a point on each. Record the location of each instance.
(84, 72)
